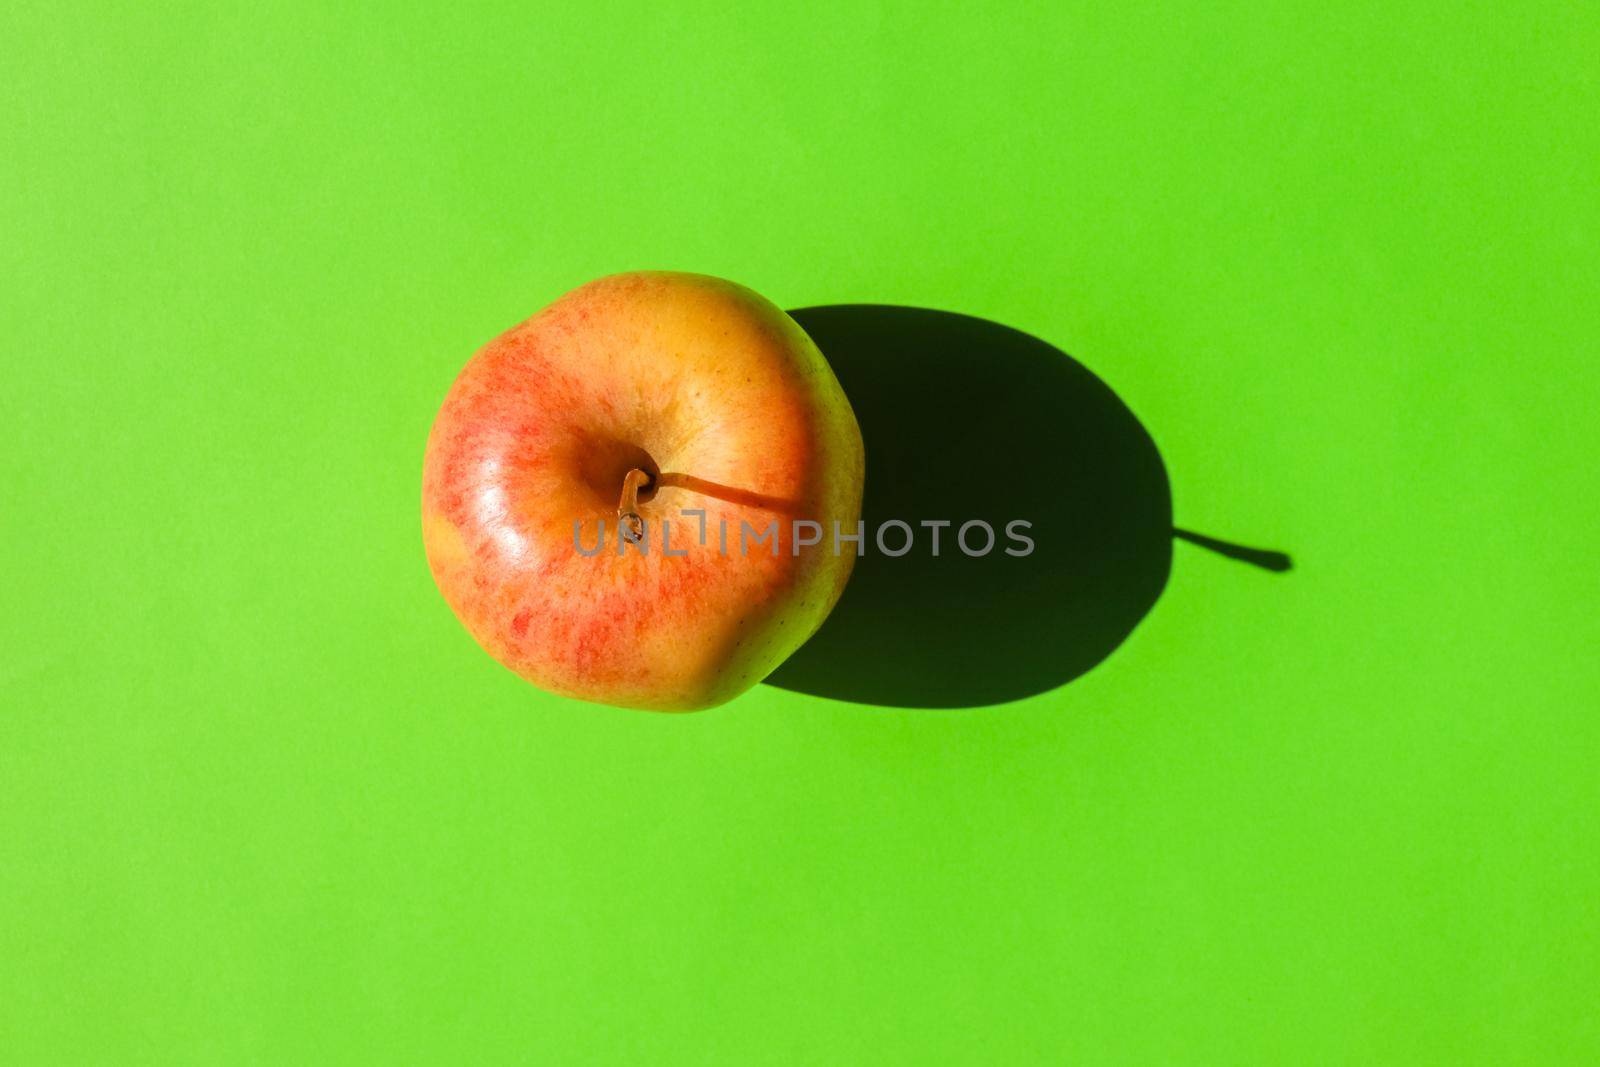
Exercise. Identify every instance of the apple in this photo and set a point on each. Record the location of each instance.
(598, 479)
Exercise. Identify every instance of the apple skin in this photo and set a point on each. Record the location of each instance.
(670, 372)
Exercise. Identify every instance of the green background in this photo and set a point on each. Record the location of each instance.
(262, 799)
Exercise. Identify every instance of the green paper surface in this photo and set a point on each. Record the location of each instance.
(262, 800)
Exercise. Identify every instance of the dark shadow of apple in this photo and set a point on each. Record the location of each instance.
(966, 419)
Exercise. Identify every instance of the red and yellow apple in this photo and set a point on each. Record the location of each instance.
(738, 426)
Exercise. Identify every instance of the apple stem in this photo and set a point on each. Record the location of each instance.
(628, 517)
(632, 523)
